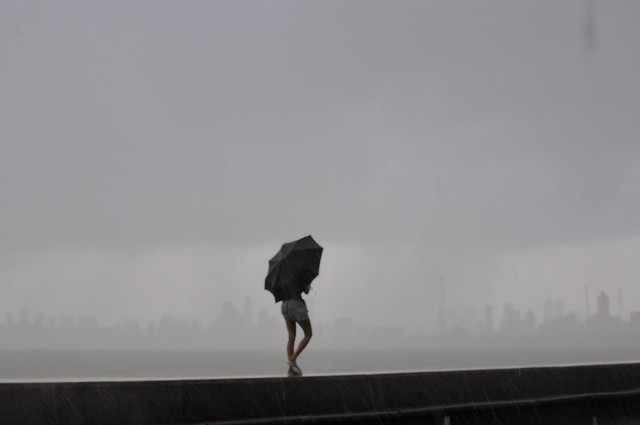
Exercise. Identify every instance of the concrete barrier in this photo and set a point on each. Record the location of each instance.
(573, 394)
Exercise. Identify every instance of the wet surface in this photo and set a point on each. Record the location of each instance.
(561, 395)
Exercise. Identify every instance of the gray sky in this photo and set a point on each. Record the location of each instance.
(154, 155)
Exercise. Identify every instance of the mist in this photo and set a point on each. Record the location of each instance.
(449, 157)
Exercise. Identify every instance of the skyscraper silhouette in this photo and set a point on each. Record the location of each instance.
(603, 305)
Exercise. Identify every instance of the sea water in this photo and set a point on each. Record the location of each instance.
(141, 365)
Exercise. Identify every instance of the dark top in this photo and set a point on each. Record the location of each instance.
(294, 296)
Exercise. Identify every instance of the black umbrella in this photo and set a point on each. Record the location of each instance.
(293, 268)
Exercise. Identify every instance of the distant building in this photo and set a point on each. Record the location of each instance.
(529, 322)
(602, 321)
(228, 314)
(603, 305)
(510, 319)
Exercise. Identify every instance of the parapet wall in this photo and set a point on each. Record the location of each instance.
(427, 397)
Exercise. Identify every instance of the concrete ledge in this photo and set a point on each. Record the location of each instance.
(427, 397)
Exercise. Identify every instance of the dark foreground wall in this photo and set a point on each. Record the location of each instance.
(602, 394)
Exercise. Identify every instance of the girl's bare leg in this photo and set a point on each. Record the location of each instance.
(308, 332)
(291, 329)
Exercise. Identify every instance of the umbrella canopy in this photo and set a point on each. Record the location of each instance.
(293, 268)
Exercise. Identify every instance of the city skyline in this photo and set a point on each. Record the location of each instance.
(242, 328)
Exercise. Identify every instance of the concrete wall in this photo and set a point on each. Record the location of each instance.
(610, 393)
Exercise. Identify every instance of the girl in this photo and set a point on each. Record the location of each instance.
(295, 311)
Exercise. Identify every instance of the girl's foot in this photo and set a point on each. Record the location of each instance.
(294, 368)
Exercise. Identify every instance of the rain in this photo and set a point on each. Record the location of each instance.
(470, 170)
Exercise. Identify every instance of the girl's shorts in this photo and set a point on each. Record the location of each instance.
(295, 310)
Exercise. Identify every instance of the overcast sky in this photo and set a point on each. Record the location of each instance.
(155, 155)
